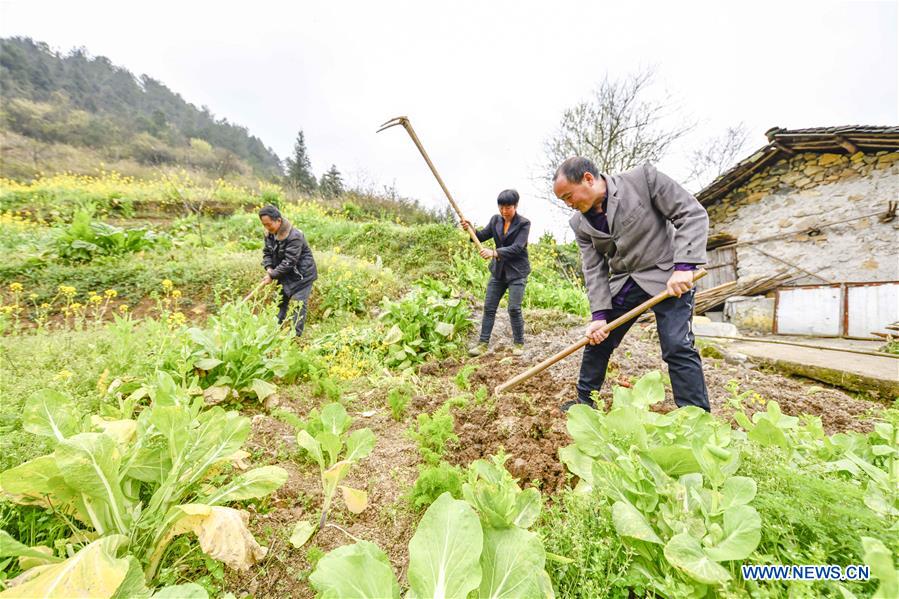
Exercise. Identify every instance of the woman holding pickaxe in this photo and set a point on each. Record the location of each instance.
(509, 268)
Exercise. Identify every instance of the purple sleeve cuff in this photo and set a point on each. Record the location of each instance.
(682, 266)
(601, 315)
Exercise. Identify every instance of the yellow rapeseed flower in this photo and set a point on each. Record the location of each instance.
(111, 293)
(123, 308)
(15, 287)
(176, 293)
(32, 296)
(67, 290)
(167, 284)
(95, 299)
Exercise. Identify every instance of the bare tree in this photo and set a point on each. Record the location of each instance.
(716, 155)
(619, 128)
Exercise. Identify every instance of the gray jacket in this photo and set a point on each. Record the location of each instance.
(653, 223)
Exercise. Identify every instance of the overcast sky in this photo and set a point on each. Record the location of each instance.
(485, 83)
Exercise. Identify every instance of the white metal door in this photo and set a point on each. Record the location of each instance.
(870, 307)
(813, 310)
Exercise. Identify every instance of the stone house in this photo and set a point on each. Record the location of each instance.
(819, 204)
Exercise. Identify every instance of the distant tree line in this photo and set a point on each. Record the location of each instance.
(82, 100)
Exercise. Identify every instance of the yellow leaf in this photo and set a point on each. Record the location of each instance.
(356, 500)
(237, 459)
(334, 475)
(216, 394)
(94, 572)
(222, 532)
(123, 431)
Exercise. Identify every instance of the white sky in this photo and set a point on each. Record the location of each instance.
(485, 83)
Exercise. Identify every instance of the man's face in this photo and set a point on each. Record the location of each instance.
(507, 212)
(581, 195)
(270, 225)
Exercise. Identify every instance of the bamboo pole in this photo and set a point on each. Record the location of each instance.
(517, 380)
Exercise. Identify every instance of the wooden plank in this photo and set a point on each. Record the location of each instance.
(722, 267)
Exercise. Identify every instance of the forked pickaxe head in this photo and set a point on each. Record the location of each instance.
(400, 120)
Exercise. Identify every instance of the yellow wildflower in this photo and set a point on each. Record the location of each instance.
(95, 299)
(67, 290)
(15, 287)
(167, 284)
(176, 293)
(123, 308)
(111, 293)
(32, 296)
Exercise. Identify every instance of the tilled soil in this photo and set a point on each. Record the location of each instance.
(526, 423)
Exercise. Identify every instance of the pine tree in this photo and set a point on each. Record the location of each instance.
(331, 184)
(299, 169)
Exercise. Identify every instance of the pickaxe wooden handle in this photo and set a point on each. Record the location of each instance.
(255, 289)
(407, 125)
(516, 380)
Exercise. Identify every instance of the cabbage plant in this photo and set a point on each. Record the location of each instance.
(145, 480)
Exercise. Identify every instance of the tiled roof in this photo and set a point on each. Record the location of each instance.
(783, 142)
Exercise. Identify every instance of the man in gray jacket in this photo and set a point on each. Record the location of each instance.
(639, 234)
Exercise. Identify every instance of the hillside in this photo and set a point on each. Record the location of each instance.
(75, 111)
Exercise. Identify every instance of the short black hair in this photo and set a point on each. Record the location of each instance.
(575, 168)
(270, 211)
(507, 197)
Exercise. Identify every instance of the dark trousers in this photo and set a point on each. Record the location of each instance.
(495, 291)
(674, 318)
(297, 312)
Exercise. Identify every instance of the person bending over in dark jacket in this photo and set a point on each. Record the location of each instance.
(287, 259)
(509, 268)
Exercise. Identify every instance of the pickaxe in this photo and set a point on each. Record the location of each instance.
(404, 121)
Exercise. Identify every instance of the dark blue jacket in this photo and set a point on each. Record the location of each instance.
(513, 262)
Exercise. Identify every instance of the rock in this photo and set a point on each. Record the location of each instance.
(891, 157)
(828, 159)
(755, 197)
(735, 358)
(750, 313)
(857, 157)
(812, 170)
(714, 329)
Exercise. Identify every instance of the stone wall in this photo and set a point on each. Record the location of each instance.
(811, 190)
